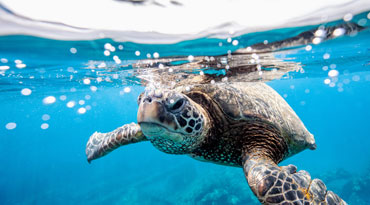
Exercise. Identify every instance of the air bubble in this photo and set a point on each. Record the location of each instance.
(81, 102)
(327, 81)
(71, 104)
(4, 67)
(348, 17)
(107, 46)
(11, 126)
(26, 91)
(362, 22)
(93, 88)
(45, 117)
(326, 56)
(44, 126)
(316, 40)
(49, 100)
(137, 53)
(63, 97)
(308, 47)
(235, 42)
(339, 31)
(86, 81)
(73, 50)
(190, 58)
(127, 89)
(156, 55)
(117, 60)
(4, 60)
(320, 33)
(20, 65)
(81, 110)
(106, 53)
(333, 73)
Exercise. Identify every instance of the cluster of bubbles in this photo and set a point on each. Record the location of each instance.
(18, 64)
(45, 117)
(48, 100)
(333, 74)
(320, 33)
(109, 49)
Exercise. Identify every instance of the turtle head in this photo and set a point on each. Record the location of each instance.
(171, 121)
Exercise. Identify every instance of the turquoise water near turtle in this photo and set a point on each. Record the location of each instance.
(55, 94)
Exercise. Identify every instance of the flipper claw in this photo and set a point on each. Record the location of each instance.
(286, 186)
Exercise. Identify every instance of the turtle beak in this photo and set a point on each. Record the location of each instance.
(149, 112)
(152, 110)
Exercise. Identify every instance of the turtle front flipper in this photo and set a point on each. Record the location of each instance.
(283, 185)
(101, 144)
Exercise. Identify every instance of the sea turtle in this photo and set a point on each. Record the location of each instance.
(242, 124)
(246, 125)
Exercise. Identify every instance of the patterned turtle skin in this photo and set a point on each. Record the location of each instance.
(245, 125)
(241, 124)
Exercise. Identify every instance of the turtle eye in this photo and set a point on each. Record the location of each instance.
(176, 106)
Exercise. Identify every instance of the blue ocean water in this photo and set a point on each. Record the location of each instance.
(76, 90)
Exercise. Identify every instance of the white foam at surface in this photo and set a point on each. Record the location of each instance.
(94, 19)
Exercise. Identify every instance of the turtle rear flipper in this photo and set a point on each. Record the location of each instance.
(283, 185)
(101, 144)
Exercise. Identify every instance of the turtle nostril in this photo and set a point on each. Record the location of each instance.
(148, 99)
(178, 104)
